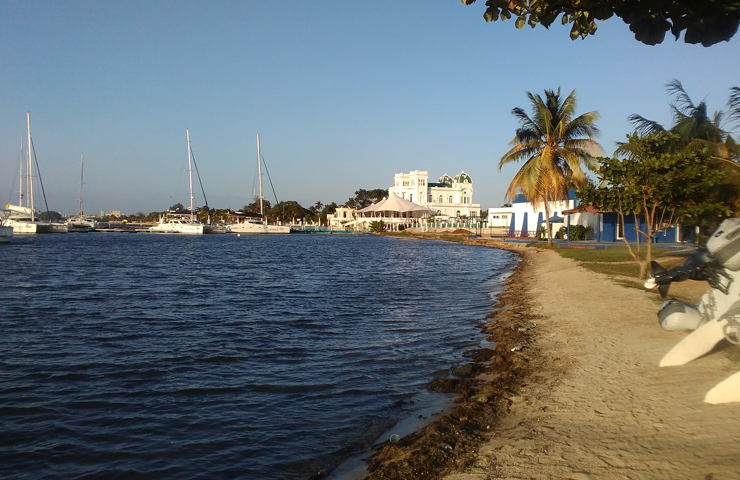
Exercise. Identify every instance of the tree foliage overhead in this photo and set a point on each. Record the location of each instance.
(703, 21)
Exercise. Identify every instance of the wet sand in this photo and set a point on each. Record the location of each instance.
(583, 399)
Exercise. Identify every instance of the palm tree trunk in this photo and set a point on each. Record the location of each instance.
(547, 220)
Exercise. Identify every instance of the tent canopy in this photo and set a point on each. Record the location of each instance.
(394, 203)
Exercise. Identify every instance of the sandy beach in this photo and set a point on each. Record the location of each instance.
(584, 398)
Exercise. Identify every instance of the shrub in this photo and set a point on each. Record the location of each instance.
(377, 226)
(577, 232)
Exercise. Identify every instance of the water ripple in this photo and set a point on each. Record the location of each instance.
(146, 356)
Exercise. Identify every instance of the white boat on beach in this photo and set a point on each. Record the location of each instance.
(182, 222)
(23, 217)
(6, 231)
(249, 223)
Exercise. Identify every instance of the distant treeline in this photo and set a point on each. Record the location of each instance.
(284, 211)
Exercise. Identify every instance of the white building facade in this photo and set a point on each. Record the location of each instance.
(342, 217)
(524, 219)
(447, 196)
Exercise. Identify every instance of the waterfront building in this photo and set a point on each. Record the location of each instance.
(524, 219)
(343, 216)
(450, 196)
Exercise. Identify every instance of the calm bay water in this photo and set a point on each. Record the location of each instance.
(256, 357)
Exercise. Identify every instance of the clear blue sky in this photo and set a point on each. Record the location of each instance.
(344, 94)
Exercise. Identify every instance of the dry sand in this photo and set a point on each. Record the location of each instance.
(596, 405)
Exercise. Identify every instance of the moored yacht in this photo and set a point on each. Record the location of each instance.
(253, 223)
(25, 218)
(81, 222)
(178, 222)
(181, 221)
(6, 231)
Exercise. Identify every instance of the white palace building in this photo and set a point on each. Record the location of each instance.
(447, 196)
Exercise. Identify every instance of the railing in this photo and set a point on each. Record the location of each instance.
(522, 234)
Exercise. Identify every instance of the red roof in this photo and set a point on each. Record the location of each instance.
(575, 210)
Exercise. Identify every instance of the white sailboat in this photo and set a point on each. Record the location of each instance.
(6, 231)
(181, 222)
(23, 217)
(247, 223)
(81, 222)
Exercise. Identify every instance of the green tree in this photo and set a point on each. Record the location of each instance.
(288, 210)
(554, 145)
(203, 214)
(704, 21)
(364, 198)
(655, 183)
(254, 207)
(377, 226)
(697, 130)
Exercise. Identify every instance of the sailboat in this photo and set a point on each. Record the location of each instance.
(6, 231)
(181, 221)
(250, 223)
(81, 222)
(23, 217)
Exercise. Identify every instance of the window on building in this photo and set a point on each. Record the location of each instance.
(449, 200)
(411, 197)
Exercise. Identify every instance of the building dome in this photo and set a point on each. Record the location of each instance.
(463, 177)
(445, 180)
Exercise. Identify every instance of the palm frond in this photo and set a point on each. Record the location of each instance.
(734, 104)
(682, 100)
(643, 126)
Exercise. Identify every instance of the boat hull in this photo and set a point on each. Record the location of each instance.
(257, 228)
(178, 229)
(21, 227)
(6, 233)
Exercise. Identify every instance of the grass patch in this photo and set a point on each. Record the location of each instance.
(543, 245)
(621, 269)
(612, 254)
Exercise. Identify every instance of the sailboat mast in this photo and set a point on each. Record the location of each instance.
(259, 172)
(190, 173)
(29, 169)
(20, 176)
(82, 172)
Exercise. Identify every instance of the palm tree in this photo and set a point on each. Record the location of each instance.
(555, 145)
(698, 130)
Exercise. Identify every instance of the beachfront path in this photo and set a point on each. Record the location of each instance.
(597, 405)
